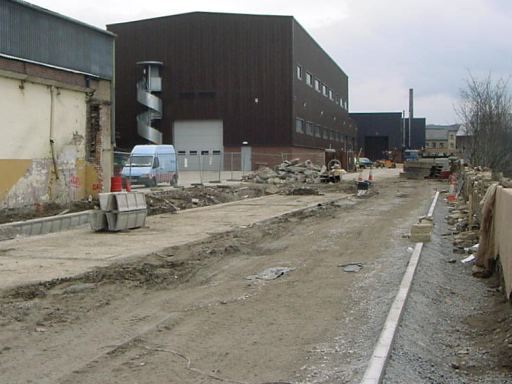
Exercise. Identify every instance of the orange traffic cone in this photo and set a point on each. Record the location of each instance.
(370, 176)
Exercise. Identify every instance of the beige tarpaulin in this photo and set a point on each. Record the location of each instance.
(486, 250)
(503, 233)
(496, 233)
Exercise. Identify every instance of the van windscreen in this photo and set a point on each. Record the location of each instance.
(141, 161)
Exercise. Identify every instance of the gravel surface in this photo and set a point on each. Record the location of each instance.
(456, 328)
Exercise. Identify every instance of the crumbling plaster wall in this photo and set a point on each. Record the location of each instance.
(37, 116)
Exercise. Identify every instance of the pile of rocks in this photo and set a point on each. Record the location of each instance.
(289, 171)
(465, 229)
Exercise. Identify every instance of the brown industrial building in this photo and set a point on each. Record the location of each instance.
(229, 83)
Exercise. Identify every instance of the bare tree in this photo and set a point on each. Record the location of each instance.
(486, 111)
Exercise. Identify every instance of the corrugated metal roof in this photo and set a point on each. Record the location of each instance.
(39, 35)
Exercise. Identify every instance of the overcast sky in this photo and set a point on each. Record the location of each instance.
(385, 47)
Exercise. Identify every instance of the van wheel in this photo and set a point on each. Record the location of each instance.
(174, 181)
(152, 182)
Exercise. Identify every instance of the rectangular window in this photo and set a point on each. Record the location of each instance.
(299, 72)
(317, 85)
(187, 95)
(331, 133)
(331, 96)
(324, 90)
(441, 145)
(193, 153)
(205, 152)
(317, 131)
(216, 152)
(182, 152)
(326, 134)
(346, 105)
(309, 79)
(299, 125)
(309, 128)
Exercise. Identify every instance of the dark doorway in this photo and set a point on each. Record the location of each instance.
(374, 146)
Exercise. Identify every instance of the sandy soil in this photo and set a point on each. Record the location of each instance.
(191, 315)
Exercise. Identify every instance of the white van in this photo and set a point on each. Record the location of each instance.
(151, 165)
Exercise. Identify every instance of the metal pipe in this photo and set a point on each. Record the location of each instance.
(52, 141)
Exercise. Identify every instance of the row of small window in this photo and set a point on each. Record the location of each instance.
(321, 88)
(195, 153)
(441, 145)
(311, 129)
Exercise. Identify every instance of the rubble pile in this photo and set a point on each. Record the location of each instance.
(173, 200)
(467, 217)
(289, 171)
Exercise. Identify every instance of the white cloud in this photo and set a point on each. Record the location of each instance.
(385, 47)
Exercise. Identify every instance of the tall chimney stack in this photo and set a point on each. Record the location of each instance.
(411, 112)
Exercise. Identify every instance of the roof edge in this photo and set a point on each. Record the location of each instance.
(61, 16)
(200, 13)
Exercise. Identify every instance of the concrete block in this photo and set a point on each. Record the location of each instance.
(26, 229)
(119, 221)
(98, 220)
(46, 227)
(421, 228)
(129, 201)
(56, 225)
(106, 201)
(421, 232)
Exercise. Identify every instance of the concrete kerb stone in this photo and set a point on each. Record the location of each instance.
(59, 223)
(376, 368)
(44, 225)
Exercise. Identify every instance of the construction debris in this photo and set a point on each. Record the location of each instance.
(352, 267)
(289, 171)
(271, 273)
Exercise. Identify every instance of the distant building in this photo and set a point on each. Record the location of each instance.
(379, 132)
(255, 84)
(55, 81)
(441, 139)
(463, 142)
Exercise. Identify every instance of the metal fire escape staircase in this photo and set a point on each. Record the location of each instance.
(151, 82)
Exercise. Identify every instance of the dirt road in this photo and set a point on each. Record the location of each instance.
(63, 254)
(195, 313)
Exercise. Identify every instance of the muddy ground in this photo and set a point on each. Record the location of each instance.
(198, 313)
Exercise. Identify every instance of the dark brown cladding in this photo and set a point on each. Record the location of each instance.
(323, 110)
(238, 68)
